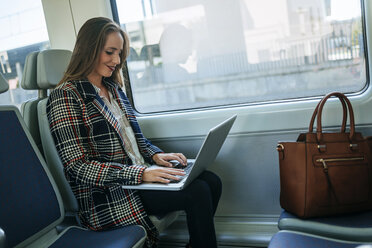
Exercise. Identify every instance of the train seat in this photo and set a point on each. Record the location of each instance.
(352, 227)
(290, 239)
(29, 108)
(49, 80)
(31, 207)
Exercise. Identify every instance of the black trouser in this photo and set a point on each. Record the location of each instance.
(199, 200)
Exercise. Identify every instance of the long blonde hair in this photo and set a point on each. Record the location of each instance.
(89, 44)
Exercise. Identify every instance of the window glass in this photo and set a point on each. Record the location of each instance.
(23, 30)
(199, 53)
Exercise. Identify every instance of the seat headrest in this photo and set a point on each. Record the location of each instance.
(4, 86)
(29, 72)
(51, 65)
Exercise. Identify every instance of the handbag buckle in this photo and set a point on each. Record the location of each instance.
(322, 148)
(353, 146)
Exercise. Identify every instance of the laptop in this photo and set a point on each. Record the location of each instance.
(206, 155)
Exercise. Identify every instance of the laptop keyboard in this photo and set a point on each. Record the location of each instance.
(187, 170)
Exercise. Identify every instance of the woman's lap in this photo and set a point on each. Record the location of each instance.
(162, 202)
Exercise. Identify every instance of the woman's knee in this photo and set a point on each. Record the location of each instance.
(198, 188)
(212, 180)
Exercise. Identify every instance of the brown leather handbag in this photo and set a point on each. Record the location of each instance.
(323, 173)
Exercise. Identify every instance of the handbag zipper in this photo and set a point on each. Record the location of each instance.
(325, 169)
(324, 160)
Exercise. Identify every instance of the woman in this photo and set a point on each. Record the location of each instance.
(102, 147)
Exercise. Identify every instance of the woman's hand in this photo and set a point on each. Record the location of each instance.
(161, 175)
(164, 158)
(164, 175)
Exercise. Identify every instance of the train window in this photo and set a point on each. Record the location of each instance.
(201, 53)
(23, 30)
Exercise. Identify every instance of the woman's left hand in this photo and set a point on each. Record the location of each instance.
(164, 158)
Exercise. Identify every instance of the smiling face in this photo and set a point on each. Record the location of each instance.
(109, 58)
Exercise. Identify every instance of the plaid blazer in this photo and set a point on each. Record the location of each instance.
(89, 143)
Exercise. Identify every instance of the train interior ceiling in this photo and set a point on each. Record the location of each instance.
(195, 63)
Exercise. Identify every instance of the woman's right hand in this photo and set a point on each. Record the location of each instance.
(161, 174)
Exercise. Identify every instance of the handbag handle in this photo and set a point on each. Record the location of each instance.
(344, 116)
(319, 110)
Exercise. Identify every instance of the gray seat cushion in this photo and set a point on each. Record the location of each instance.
(286, 239)
(126, 237)
(353, 227)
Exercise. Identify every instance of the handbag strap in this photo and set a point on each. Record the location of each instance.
(318, 113)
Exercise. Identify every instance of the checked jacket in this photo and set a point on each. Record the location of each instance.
(88, 140)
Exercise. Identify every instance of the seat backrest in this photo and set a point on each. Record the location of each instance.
(30, 203)
(54, 162)
(51, 75)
